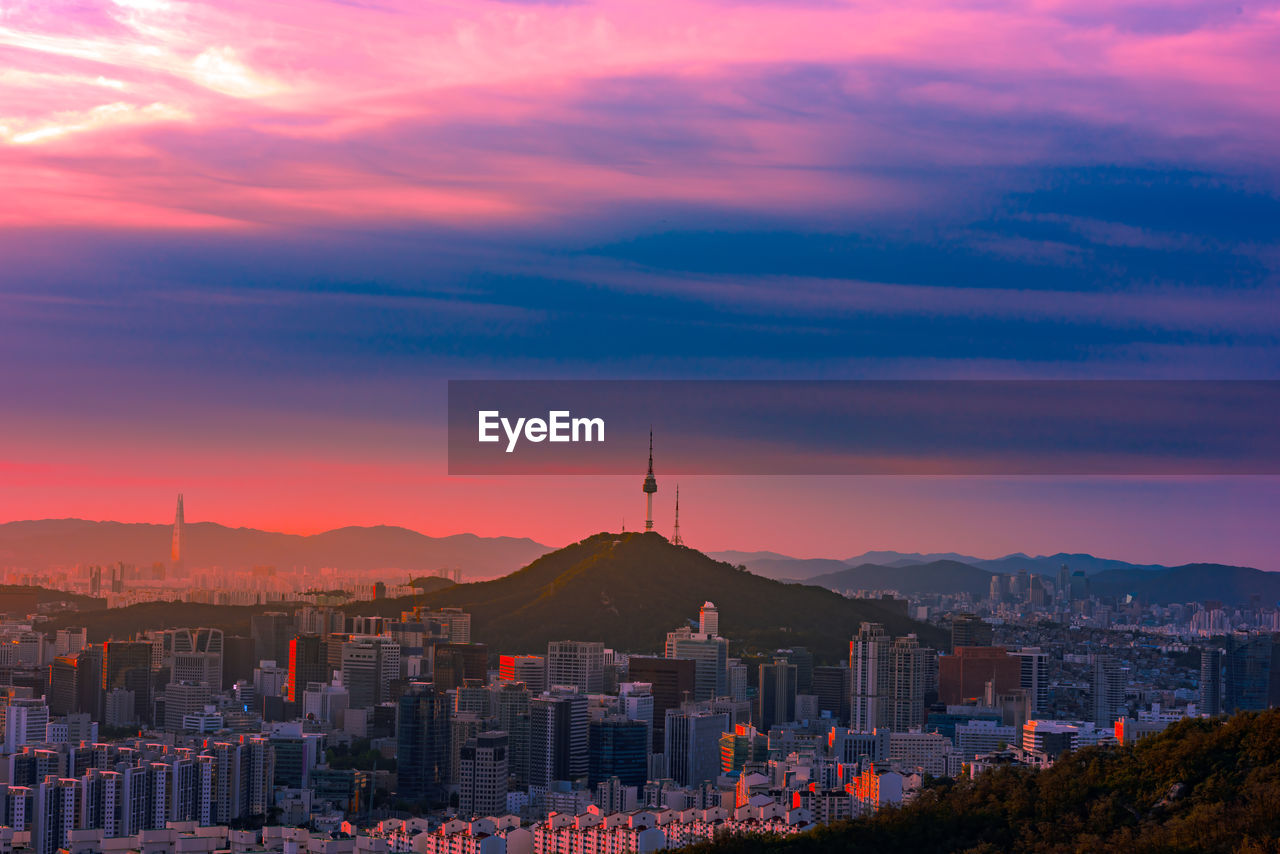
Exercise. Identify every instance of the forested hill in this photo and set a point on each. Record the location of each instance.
(1201, 786)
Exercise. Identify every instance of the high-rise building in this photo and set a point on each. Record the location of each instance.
(1211, 681)
(692, 748)
(370, 663)
(777, 699)
(870, 678)
(529, 669)
(454, 623)
(1035, 677)
(1249, 674)
(182, 699)
(635, 702)
(127, 665)
(1108, 690)
(833, 688)
(965, 674)
(710, 655)
(483, 775)
(672, 681)
(576, 663)
(970, 630)
(422, 736)
(177, 553)
(619, 747)
(558, 737)
(454, 663)
(913, 671)
(308, 662)
(271, 634)
(709, 619)
(511, 701)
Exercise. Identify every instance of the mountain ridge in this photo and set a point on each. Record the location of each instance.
(44, 543)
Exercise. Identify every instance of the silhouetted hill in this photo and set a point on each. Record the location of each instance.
(121, 623)
(1201, 786)
(1195, 582)
(892, 558)
(940, 576)
(782, 568)
(630, 589)
(38, 545)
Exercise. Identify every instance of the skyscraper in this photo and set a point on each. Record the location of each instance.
(692, 747)
(870, 678)
(709, 619)
(308, 661)
(1035, 677)
(1211, 681)
(1108, 689)
(619, 747)
(650, 487)
(177, 553)
(127, 665)
(576, 663)
(1248, 680)
(671, 681)
(914, 676)
(483, 775)
(970, 630)
(422, 735)
(710, 655)
(777, 701)
(558, 737)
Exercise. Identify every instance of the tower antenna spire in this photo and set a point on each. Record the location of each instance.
(676, 539)
(650, 487)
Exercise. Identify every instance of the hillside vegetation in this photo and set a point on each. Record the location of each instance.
(630, 589)
(1201, 786)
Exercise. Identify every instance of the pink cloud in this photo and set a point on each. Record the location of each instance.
(111, 110)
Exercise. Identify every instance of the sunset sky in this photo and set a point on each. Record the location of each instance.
(244, 245)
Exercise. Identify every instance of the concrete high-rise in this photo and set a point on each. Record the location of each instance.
(558, 737)
(1035, 677)
(483, 775)
(671, 681)
(576, 663)
(1108, 690)
(692, 747)
(308, 662)
(709, 619)
(870, 678)
(777, 699)
(914, 676)
(1211, 681)
(529, 669)
(710, 655)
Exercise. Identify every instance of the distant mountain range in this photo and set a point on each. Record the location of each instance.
(914, 573)
(42, 544)
(785, 567)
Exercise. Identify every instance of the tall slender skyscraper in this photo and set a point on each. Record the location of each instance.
(178, 524)
(650, 487)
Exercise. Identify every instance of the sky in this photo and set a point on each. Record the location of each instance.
(244, 245)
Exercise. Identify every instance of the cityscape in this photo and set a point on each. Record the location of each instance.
(366, 718)
(636, 426)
